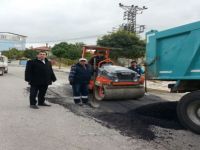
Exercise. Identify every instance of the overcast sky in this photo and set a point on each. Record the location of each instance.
(55, 20)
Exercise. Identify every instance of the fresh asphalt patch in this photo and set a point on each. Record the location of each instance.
(161, 114)
(135, 122)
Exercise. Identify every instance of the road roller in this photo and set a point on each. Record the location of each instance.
(110, 81)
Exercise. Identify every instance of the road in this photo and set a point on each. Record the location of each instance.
(147, 123)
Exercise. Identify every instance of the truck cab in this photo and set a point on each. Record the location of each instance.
(3, 65)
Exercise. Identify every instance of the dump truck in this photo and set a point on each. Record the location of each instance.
(3, 64)
(111, 81)
(174, 55)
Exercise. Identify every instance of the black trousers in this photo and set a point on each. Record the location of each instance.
(80, 92)
(38, 91)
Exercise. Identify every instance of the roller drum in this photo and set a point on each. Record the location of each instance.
(120, 92)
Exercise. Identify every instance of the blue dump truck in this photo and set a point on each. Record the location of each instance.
(174, 55)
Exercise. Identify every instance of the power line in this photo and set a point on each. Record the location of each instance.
(70, 39)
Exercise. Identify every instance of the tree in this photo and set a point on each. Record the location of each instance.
(13, 53)
(6, 53)
(127, 45)
(74, 51)
(31, 54)
(59, 51)
(68, 51)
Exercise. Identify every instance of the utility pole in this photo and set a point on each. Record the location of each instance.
(130, 15)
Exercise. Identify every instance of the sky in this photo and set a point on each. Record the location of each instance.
(53, 21)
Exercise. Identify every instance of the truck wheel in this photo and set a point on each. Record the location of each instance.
(6, 71)
(188, 111)
(2, 71)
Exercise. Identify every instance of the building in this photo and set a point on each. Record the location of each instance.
(11, 40)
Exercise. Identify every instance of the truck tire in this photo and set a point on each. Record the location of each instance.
(1, 71)
(188, 111)
(6, 71)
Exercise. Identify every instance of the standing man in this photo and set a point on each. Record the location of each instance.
(135, 67)
(79, 78)
(99, 56)
(39, 74)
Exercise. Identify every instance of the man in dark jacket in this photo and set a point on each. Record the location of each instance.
(39, 74)
(135, 67)
(98, 57)
(79, 78)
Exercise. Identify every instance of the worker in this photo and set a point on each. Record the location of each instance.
(98, 57)
(135, 67)
(79, 77)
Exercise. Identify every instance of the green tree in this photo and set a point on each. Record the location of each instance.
(13, 53)
(6, 53)
(68, 51)
(125, 44)
(73, 51)
(31, 54)
(59, 50)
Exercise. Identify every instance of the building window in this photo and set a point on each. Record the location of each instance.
(3, 37)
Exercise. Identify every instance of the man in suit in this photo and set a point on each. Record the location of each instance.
(39, 74)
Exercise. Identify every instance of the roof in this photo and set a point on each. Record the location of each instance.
(94, 47)
(42, 48)
(13, 34)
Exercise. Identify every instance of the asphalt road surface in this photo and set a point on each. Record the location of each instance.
(146, 123)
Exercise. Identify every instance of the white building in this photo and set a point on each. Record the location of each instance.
(11, 40)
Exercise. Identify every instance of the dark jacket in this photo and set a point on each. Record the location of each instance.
(98, 59)
(80, 75)
(38, 73)
(136, 69)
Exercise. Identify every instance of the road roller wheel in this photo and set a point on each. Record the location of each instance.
(99, 92)
(188, 111)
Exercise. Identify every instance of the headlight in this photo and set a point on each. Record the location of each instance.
(116, 80)
(97, 83)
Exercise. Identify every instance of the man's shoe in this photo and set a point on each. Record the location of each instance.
(34, 107)
(44, 104)
(87, 104)
(79, 104)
